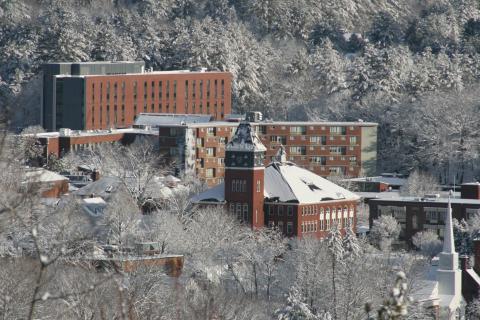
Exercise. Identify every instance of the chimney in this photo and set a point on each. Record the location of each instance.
(470, 191)
(464, 262)
(95, 175)
(476, 254)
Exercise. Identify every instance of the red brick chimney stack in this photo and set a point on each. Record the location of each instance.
(464, 262)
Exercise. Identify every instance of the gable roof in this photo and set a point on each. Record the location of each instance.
(290, 183)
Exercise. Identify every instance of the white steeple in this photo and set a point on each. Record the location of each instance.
(448, 243)
(449, 276)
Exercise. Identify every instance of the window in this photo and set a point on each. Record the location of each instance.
(259, 184)
(319, 160)
(318, 139)
(338, 150)
(289, 211)
(280, 211)
(399, 213)
(298, 150)
(210, 131)
(338, 130)
(245, 212)
(239, 211)
(210, 152)
(434, 214)
(270, 210)
(279, 139)
(336, 170)
(210, 172)
(239, 185)
(353, 140)
(289, 228)
(298, 130)
(322, 225)
(353, 159)
(221, 161)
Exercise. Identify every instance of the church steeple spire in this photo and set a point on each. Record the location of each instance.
(448, 242)
(449, 276)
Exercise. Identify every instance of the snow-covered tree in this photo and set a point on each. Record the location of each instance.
(428, 243)
(295, 308)
(384, 231)
(419, 184)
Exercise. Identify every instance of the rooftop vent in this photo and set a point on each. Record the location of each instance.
(254, 116)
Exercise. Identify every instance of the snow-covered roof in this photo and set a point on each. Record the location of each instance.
(288, 182)
(245, 139)
(393, 181)
(394, 194)
(43, 175)
(429, 200)
(158, 119)
(214, 194)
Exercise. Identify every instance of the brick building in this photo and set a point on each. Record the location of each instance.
(281, 194)
(50, 184)
(104, 95)
(59, 143)
(426, 213)
(325, 148)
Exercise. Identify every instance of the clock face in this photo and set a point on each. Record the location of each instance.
(245, 160)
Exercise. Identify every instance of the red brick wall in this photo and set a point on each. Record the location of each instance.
(250, 196)
(55, 189)
(265, 132)
(68, 143)
(309, 214)
(205, 100)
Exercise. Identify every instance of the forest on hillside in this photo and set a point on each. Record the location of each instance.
(410, 65)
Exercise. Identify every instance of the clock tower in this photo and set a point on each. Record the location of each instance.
(244, 176)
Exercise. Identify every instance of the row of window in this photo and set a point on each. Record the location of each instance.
(326, 225)
(299, 129)
(239, 185)
(320, 140)
(280, 210)
(314, 210)
(163, 86)
(312, 148)
(200, 141)
(240, 210)
(302, 150)
(280, 227)
(108, 115)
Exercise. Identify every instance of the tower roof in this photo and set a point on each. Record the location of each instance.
(245, 139)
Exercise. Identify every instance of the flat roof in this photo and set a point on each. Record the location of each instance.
(427, 200)
(86, 133)
(318, 123)
(394, 181)
(265, 123)
(146, 73)
(94, 62)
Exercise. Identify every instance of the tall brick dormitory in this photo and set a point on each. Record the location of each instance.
(104, 95)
